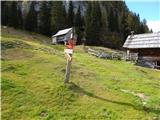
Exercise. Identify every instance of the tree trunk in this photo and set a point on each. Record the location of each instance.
(68, 68)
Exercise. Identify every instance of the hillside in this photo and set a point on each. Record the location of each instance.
(32, 83)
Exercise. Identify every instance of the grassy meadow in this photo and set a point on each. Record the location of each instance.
(33, 89)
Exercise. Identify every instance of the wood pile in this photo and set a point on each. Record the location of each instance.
(106, 55)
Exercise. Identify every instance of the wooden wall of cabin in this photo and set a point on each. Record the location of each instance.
(152, 54)
(146, 51)
(149, 52)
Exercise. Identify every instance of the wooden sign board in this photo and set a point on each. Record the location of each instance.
(68, 51)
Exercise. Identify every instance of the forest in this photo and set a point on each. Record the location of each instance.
(97, 23)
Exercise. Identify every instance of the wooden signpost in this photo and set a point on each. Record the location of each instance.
(68, 53)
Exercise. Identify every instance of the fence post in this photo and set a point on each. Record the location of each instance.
(68, 69)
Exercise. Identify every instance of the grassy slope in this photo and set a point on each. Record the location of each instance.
(32, 83)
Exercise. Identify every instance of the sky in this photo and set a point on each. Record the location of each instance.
(148, 9)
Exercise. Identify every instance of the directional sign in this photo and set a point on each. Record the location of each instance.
(68, 51)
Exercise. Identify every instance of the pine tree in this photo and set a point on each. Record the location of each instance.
(143, 27)
(88, 26)
(70, 18)
(20, 17)
(57, 18)
(12, 14)
(96, 22)
(104, 19)
(79, 25)
(65, 16)
(130, 22)
(116, 19)
(93, 24)
(31, 18)
(44, 19)
(133, 22)
(137, 23)
(122, 22)
(4, 12)
(111, 21)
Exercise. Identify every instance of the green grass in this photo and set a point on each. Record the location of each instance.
(32, 83)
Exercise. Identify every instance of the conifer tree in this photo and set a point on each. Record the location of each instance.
(20, 17)
(143, 27)
(31, 18)
(96, 22)
(57, 18)
(79, 25)
(12, 14)
(88, 25)
(45, 18)
(93, 24)
(4, 12)
(70, 18)
(104, 19)
(65, 16)
(111, 20)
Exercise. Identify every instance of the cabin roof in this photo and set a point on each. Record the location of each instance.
(62, 32)
(147, 40)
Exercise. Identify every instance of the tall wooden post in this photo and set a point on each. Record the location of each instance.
(68, 53)
(68, 69)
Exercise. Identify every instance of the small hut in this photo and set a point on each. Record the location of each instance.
(146, 46)
(62, 35)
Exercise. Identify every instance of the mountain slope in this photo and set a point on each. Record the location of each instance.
(32, 83)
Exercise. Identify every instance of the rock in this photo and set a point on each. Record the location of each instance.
(145, 63)
(43, 114)
(142, 96)
(104, 55)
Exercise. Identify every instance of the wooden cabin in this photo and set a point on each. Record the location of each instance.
(146, 46)
(62, 35)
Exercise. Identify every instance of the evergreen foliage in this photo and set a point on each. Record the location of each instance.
(45, 18)
(101, 23)
(79, 26)
(20, 17)
(12, 14)
(31, 18)
(4, 13)
(88, 30)
(57, 18)
(70, 17)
